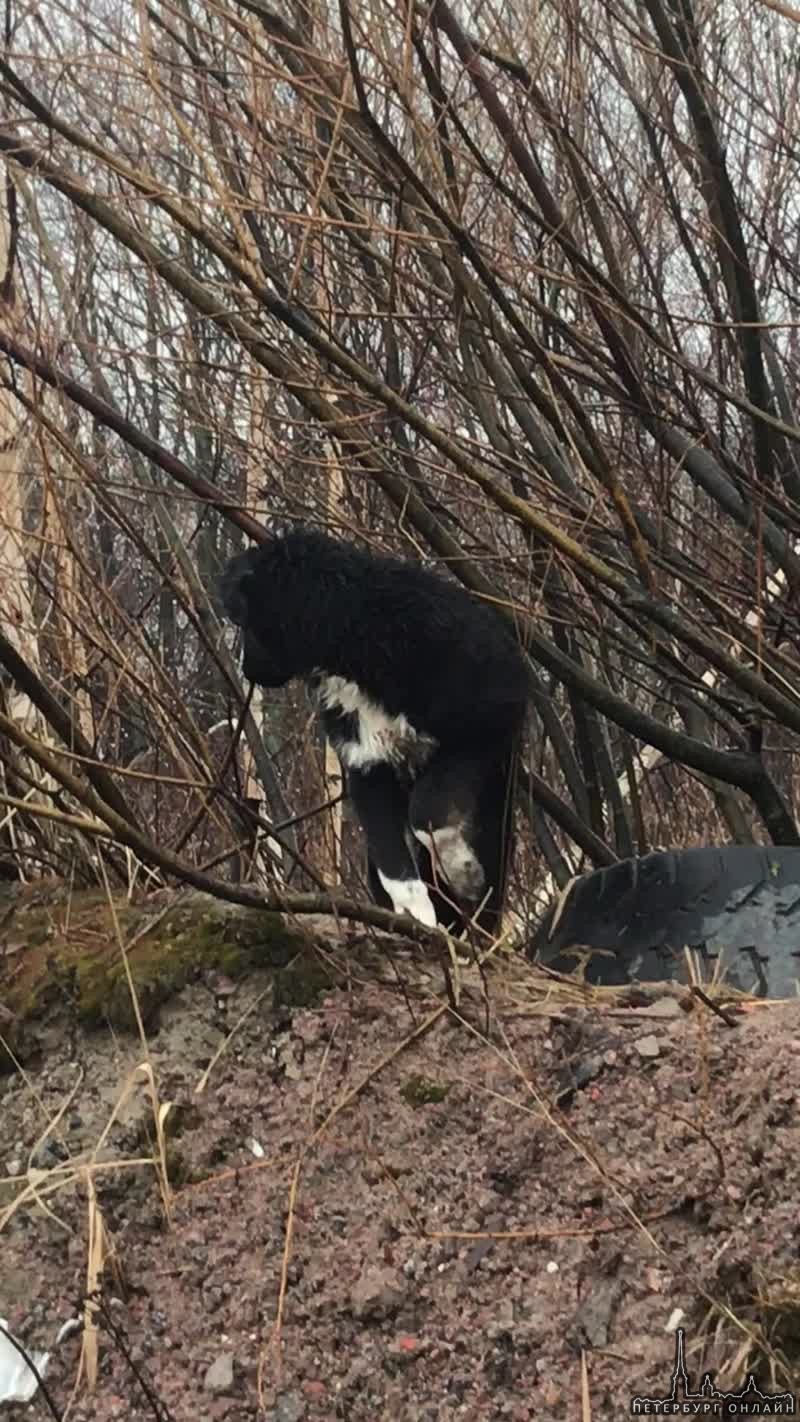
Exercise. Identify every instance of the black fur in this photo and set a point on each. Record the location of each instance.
(418, 647)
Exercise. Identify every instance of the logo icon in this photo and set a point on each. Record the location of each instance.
(709, 1401)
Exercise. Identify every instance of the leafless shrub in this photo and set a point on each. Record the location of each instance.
(511, 289)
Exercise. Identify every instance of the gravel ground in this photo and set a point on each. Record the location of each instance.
(464, 1227)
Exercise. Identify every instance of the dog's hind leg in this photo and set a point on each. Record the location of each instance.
(460, 810)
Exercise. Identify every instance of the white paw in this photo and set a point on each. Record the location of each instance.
(410, 896)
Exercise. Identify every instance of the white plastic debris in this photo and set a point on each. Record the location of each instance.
(18, 1381)
(255, 1148)
(674, 1320)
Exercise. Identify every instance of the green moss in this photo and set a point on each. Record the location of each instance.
(421, 1091)
(69, 952)
(303, 981)
(162, 962)
(38, 933)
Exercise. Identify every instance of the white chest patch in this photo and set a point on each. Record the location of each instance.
(369, 735)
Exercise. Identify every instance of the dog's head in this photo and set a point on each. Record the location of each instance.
(233, 583)
(251, 593)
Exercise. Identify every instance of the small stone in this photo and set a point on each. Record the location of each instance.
(664, 1007)
(378, 1294)
(648, 1046)
(289, 1407)
(49, 1154)
(592, 1320)
(219, 1376)
(405, 1348)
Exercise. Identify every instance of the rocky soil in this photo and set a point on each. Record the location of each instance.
(374, 1208)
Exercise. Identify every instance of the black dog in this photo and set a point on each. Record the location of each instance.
(422, 691)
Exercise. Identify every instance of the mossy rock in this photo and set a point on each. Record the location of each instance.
(164, 960)
(67, 948)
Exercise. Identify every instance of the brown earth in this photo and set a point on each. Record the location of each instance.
(363, 1226)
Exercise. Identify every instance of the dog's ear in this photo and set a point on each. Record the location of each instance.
(232, 585)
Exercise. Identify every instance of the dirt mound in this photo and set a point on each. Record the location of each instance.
(455, 1226)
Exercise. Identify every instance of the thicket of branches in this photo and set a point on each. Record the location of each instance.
(505, 287)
